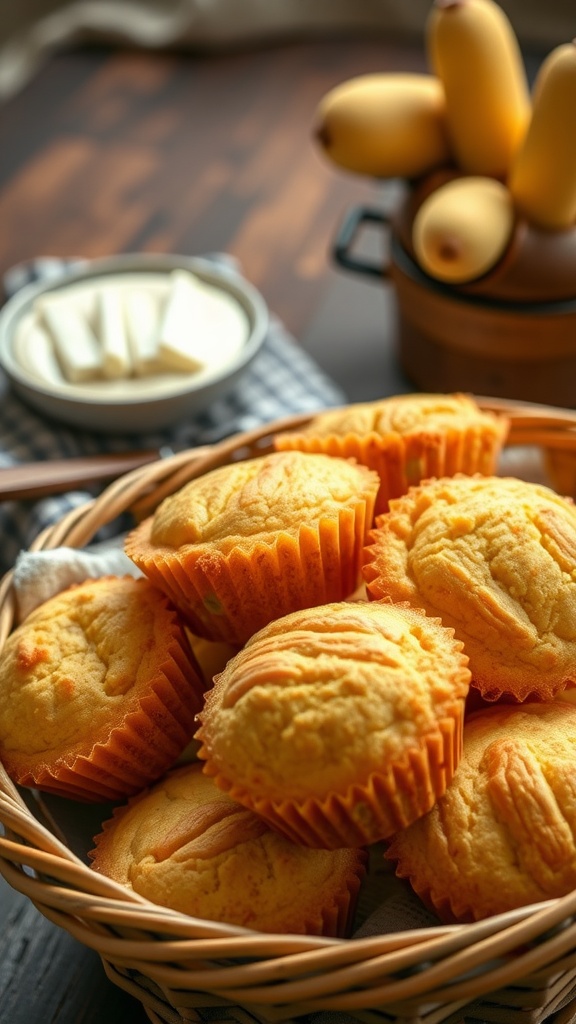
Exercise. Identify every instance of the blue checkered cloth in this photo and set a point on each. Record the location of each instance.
(281, 381)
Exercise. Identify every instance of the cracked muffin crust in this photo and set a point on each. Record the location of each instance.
(98, 691)
(251, 541)
(495, 559)
(406, 438)
(188, 846)
(504, 833)
(338, 724)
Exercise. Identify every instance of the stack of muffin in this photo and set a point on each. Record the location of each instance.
(366, 636)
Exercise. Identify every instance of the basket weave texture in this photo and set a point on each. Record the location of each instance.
(519, 966)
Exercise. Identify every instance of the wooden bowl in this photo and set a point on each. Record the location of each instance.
(510, 334)
(452, 341)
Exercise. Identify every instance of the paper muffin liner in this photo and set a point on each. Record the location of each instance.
(139, 749)
(229, 597)
(402, 461)
(367, 813)
(336, 921)
(441, 904)
(522, 690)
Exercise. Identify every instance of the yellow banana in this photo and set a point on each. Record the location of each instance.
(474, 52)
(543, 176)
(463, 228)
(384, 125)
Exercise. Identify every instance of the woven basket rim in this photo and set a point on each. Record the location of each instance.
(279, 974)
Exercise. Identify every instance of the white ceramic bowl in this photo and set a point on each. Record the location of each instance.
(133, 405)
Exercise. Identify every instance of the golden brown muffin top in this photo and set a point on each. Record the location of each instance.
(404, 415)
(187, 845)
(503, 835)
(495, 558)
(320, 699)
(259, 497)
(76, 663)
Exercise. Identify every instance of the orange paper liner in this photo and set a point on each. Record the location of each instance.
(440, 904)
(390, 800)
(402, 461)
(230, 597)
(536, 688)
(336, 921)
(138, 751)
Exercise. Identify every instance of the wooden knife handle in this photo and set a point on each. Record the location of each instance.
(38, 479)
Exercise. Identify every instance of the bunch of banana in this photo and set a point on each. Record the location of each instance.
(513, 151)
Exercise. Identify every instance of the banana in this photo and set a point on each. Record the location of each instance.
(463, 228)
(384, 125)
(473, 50)
(543, 176)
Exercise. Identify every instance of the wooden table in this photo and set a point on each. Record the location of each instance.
(126, 151)
(107, 152)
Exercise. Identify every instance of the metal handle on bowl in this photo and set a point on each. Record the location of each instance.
(347, 237)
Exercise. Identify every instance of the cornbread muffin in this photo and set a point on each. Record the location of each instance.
(407, 438)
(495, 559)
(503, 835)
(186, 845)
(249, 542)
(338, 724)
(98, 691)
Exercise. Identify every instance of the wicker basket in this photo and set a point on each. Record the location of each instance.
(519, 966)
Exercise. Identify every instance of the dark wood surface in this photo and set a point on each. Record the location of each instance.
(107, 152)
(127, 151)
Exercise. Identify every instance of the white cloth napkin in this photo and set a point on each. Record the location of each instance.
(39, 575)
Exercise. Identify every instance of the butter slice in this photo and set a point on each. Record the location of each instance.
(75, 344)
(116, 360)
(185, 343)
(142, 322)
(35, 352)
